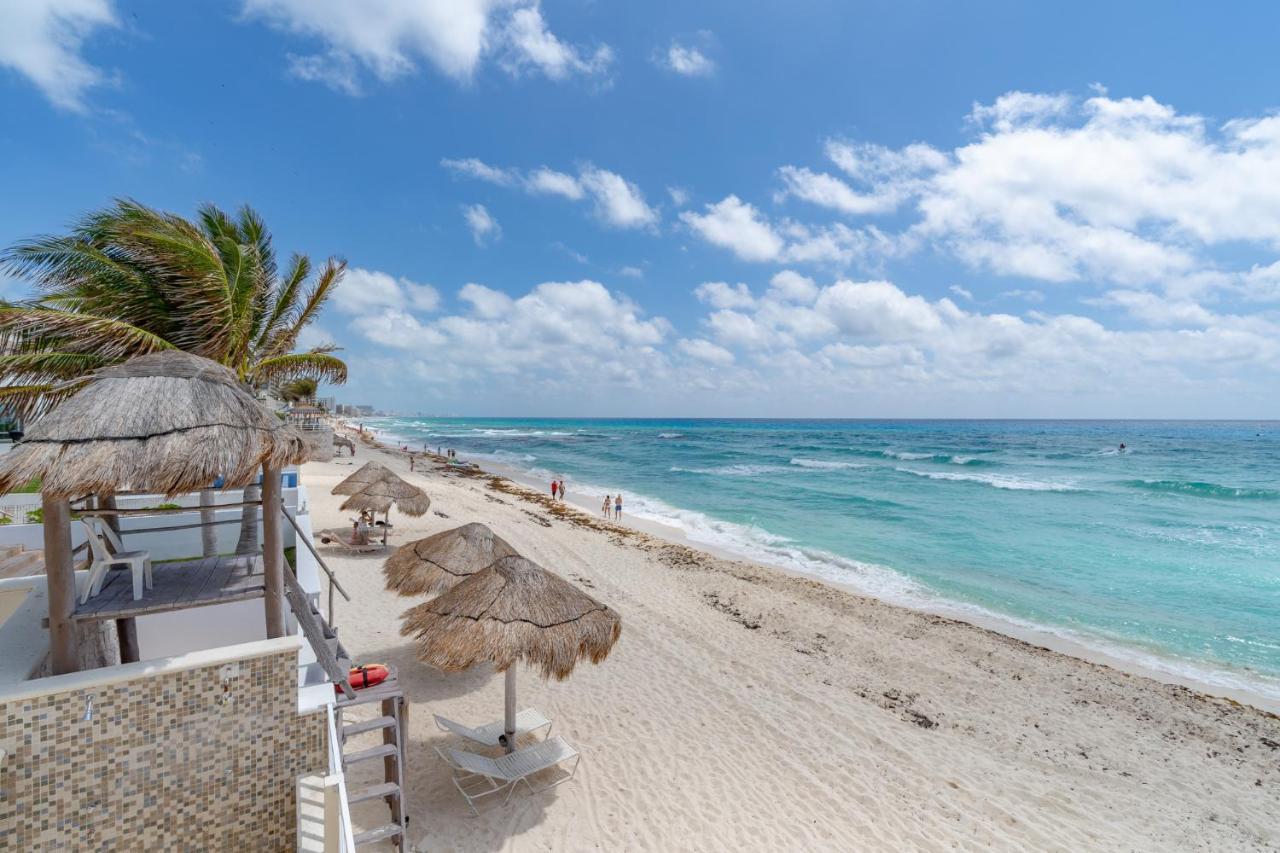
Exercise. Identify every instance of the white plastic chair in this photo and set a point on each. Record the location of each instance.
(479, 776)
(528, 720)
(139, 562)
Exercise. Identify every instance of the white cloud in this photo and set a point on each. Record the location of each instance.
(482, 225)
(472, 167)
(790, 286)
(739, 226)
(705, 351)
(486, 302)
(615, 200)
(734, 224)
(631, 272)
(962, 292)
(551, 182)
(389, 38)
(686, 60)
(534, 46)
(618, 202)
(364, 291)
(679, 196)
(42, 40)
(1157, 310)
(719, 294)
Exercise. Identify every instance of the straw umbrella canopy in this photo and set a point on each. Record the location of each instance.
(381, 495)
(514, 610)
(437, 563)
(369, 472)
(167, 422)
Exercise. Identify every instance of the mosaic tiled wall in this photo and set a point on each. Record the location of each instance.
(166, 763)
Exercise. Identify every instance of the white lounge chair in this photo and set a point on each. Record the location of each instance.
(477, 776)
(528, 720)
(139, 562)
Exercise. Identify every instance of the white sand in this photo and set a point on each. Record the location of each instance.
(748, 709)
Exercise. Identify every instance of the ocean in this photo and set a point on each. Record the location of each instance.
(1165, 553)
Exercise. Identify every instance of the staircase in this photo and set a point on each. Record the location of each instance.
(379, 737)
(16, 562)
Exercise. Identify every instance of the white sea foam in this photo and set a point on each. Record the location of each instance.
(826, 464)
(670, 435)
(905, 456)
(731, 470)
(999, 481)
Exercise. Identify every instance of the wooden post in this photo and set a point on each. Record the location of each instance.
(61, 577)
(272, 552)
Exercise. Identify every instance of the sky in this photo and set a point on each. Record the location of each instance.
(722, 209)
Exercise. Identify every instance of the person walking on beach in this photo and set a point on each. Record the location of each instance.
(410, 463)
(554, 488)
(617, 507)
(604, 510)
(562, 490)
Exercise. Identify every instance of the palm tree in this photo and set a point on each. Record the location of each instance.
(129, 280)
(299, 390)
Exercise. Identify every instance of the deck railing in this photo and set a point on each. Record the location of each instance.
(333, 580)
(346, 835)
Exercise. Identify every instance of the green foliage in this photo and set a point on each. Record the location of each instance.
(129, 280)
(30, 487)
(35, 516)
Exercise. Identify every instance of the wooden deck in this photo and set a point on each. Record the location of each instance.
(177, 586)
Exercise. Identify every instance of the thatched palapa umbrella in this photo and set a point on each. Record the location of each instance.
(439, 562)
(369, 472)
(381, 494)
(169, 422)
(514, 610)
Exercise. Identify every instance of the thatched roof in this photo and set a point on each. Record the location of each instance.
(437, 563)
(379, 496)
(369, 472)
(168, 422)
(513, 610)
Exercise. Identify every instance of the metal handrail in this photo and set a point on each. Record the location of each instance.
(335, 769)
(333, 580)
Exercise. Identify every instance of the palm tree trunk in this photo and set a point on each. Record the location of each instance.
(248, 542)
(208, 533)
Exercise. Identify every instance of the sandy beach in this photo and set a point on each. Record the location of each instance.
(746, 708)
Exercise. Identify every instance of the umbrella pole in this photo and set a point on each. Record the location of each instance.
(386, 522)
(509, 720)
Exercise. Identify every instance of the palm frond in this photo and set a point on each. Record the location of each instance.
(286, 368)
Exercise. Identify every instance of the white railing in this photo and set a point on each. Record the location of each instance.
(342, 808)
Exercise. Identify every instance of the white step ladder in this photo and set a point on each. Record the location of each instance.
(392, 723)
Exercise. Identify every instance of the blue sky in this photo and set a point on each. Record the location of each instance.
(731, 209)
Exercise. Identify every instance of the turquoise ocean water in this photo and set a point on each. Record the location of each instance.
(1166, 553)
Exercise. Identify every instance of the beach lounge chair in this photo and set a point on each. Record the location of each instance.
(528, 720)
(139, 562)
(477, 776)
(344, 540)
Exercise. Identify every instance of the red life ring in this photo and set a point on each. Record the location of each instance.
(364, 676)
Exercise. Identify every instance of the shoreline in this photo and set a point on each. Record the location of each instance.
(753, 708)
(1123, 660)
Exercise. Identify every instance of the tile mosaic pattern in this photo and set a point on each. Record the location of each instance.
(172, 762)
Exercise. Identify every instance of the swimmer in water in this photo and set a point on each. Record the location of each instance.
(1122, 447)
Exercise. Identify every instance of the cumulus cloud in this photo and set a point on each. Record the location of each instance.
(616, 201)
(471, 167)
(703, 350)
(743, 229)
(534, 46)
(481, 223)
(686, 60)
(43, 39)
(388, 39)
(719, 294)
(560, 333)
(551, 182)
(363, 291)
